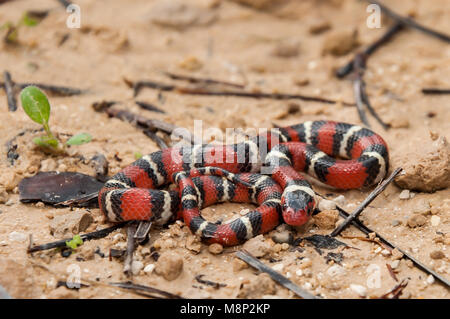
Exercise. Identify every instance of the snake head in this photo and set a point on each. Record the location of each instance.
(298, 206)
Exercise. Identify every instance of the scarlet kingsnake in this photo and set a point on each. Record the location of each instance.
(311, 147)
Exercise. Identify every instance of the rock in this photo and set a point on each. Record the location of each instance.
(358, 289)
(396, 254)
(287, 49)
(385, 252)
(416, 221)
(404, 194)
(300, 80)
(422, 207)
(17, 236)
(238, 265)
(299, 272)
(336, 270)
(215, 248)
(427, 169)
(437, 254)
(282, 235)
(340, 42)
(169, 265)
(180, 15)
(326, 219)
(17, 279)
(136, 267)
(325, 204)
(70, 223)
(194, 244)
(395, 264)
(435, 220)
(257, 246)
(278, 267)
(257, 287)
(3, 195)
(396, 223)
(340, 200)
(149, 268)
(191, 63)
(430, 280)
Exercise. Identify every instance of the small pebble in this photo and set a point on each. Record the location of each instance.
(149, 268)
(136, 267)
(385, 252)
(404, 194)
(416, 221)
(3, 243)
(435, 220)
(437, 254)
(358, 289)
(336, 270)
(340, 200)
(215, 248)
(396, 223)
(10, 202)
(395, 264)
(278, 267)
(16, 236)
(326, 204)
(299, 272)
(430, 279)
(282, 237)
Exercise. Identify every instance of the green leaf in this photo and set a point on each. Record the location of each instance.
(35, 104)
(28, 21)
(75, 242)
(45, 141)
(137, 155)
(79, 139)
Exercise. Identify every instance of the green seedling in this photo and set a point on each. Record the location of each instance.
(75, 242)
(13, 28)
(137, 155)
(36, 105)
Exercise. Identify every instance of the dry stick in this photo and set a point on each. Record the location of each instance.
(131, 230)
(282, 280)
(9, 85)
(366, 230)
(406, 21)
(149, 107)
(359, 88)
(346, 69)
(257, 95)
(396, 291)
(89, 236)
(147, 289)
(65, 3)
(192, 79)
(435, 91)
(50, 88)
(366, 202)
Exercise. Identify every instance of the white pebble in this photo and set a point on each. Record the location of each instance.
(16, 236)
(278, 267)
(326, 204)
(3, 243)
(377, 250)
(307, 285)
(136, 267)
(149, 268)
(385, 252)
(395, 264)
(404, 194)
(335, 270)
(288, 275)
(299, 272)
(358, 289)
(340, 200)
(435, 220)
(430, 279)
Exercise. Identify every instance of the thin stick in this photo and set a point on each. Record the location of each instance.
(435, 91)
(149, 107)
(192, 79)
(89, 236)
(50, 88)
(65, 3)
(131, 286)
(257, 95)
(410, 22)
(282, 280)
(366, 202)
(396, 291)
(131, 230)
(346, 69)
(9, 85)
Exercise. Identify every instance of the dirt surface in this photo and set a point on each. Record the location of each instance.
(280, 47)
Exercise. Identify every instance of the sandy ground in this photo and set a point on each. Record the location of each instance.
(272, 51)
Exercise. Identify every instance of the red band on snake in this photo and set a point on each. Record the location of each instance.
(340, 155)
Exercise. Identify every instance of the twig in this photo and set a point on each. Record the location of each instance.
(346, 69)
(366, 202)
(9, 89)
(282, 280)
(359, 88)
(65, 3)
(49, 88)
(192, 79)
(143, 229)
(149, 107)
(158, 140)
(366, 230)
(406, 21)
(396, 291)
(391, 272)
(89, 236)
(213, 284)
(435, 91)
(147, 289)
(131, 245)
(257, 95)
